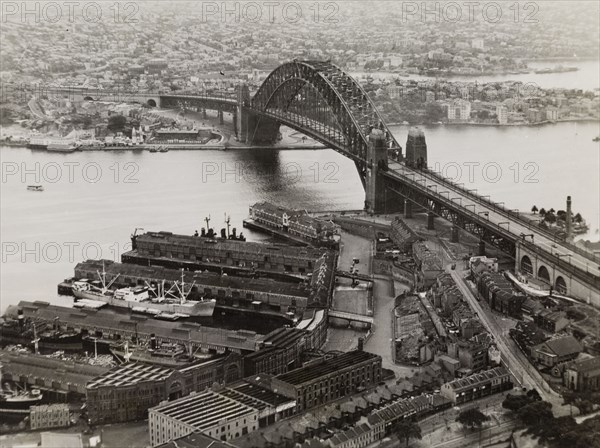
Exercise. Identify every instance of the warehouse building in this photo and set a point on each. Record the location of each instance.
(326, 380)
(478, 385)
(127, 392)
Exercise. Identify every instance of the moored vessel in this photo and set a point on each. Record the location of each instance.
(150, 299)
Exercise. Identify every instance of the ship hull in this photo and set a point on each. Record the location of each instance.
(191, 308)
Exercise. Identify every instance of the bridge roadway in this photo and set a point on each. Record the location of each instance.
(498, 217)
(351, 316)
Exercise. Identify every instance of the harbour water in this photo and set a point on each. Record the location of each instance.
(585, 78)
(93, 201)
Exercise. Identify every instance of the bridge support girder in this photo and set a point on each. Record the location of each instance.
(377, 163)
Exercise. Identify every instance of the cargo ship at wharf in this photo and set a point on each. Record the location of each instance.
(169, 304)
(40, 335)
(226, 292)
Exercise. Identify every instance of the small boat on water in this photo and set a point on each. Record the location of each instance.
(35, 188)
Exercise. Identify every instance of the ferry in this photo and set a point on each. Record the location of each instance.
(139, 299)
(35, 188)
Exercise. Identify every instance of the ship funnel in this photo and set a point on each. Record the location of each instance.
(223, 234)
(234, 233)
(203, 232)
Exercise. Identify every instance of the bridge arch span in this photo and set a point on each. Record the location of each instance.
(322, 101)
(526, 265)
(560, 285)
(88, 98)
(544, 274)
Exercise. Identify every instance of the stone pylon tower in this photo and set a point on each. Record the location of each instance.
(416, 148)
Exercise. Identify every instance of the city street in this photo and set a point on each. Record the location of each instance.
(514, 359)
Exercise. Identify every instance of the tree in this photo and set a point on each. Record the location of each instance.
(536, 414)
(116, 123)
(542, 211)
(551, 211)
(406, 429)
(578, 218)
(550, 217)
(516, 402)
(472, 417)
(534, 209)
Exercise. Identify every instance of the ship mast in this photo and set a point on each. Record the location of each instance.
(36, 340)
(207, 219)
(227, 221)
(102, 276)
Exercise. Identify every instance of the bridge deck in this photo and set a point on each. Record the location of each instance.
(497, 216)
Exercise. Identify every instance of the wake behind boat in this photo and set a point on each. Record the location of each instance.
(151, 299)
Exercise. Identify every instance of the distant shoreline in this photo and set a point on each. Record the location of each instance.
(498, 125)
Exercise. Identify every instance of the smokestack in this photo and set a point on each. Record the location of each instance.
(20, 319)
(153, 341)
(361, 343)
(568, 222)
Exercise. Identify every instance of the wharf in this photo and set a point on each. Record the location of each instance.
(120, 325)
(133, 257)
(46, 373)
(253, 225)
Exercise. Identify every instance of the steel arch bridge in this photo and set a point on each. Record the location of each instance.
(320, 100)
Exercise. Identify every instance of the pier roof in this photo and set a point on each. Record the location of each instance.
(201, 279)
(124, 322)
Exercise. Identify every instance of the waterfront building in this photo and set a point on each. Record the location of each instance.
(49, 416)
(228, 290)
(502, 113)
(127, 392)
(459, 110)
(280, 352)
(108, 324)
(178, 251)
(476, 386)
(295, 222)
(223, 414)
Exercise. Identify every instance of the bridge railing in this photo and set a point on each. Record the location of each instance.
(498, 207)
(588, 275)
